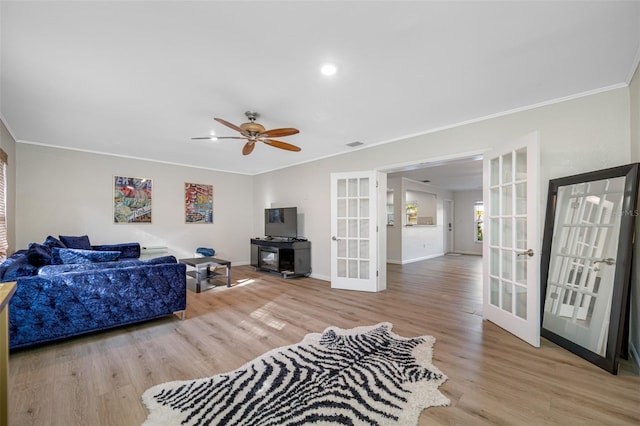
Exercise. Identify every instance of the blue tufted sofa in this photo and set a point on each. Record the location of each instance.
(69, 295)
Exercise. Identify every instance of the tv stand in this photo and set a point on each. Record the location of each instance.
(288, 257)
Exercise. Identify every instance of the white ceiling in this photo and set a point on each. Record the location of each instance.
(140, 78)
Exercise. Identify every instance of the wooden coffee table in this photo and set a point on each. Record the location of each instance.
(205, 270)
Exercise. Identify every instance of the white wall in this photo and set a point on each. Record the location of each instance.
(464, 220)
(64, 192)
(423, 242)
(579, 135)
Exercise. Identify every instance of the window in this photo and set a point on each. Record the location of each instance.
(4, 245)
(478, 214)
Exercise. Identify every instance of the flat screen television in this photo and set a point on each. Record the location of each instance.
(281, 222)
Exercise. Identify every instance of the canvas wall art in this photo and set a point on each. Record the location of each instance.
(132, 200)
(198, 203)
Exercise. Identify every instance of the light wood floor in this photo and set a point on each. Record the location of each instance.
(494, 378)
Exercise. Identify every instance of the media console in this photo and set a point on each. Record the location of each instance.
(289, 257)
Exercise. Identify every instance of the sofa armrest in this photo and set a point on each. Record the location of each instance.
(127, 250)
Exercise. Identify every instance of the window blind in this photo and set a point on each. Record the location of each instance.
(4, 244)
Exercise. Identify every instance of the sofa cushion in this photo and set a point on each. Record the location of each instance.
(82, 242)
(67, 256)
(127, 250)
(53, 270)
(160, 260)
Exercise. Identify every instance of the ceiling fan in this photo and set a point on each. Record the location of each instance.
(254, 132)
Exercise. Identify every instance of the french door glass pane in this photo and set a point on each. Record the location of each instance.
(353, 248)
(353, 188)
(353, 268)
(521, 164)
(364, 207)
(507, 232)
(342, 228)
(521, 301)
(364, 187)
(507, 296)
(342, 248)
(495, 232)
(364, 228)
(507, 168)
(494, 292)
(521, 233)
(495, 262)
(495, 201)
(342, 208)
(521, 198)
(495, 172)
(507, 200)
(342, 268)
(364, 249)
(364, 269)
(342, 188)
(507, 264)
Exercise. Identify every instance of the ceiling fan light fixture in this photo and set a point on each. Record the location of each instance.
(253, 127)
(329, 69)
(253, 132)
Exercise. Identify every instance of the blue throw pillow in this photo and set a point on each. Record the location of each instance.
(72, 256)
(39, 255)
(52, 242)
(82, 242)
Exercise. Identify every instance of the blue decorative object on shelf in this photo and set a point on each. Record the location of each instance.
(204, 251)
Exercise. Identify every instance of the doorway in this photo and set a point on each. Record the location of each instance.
(447, 213)
(456, 184)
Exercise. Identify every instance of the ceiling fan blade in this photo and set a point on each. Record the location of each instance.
(281, 145)
(213, 138)
(275, 133)
(232, 126)
(248, 148)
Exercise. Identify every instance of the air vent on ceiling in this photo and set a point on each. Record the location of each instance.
(354, 144)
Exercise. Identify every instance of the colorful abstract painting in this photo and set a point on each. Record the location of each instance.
(131, 200)
(198, 203)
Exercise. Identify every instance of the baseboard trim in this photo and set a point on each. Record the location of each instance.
(418, 259)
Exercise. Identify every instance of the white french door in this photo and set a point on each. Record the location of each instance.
(358, 250)
(511, 248)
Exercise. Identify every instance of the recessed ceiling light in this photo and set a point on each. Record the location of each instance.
(328, 69)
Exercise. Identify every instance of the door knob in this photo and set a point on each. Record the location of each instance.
(335, 239)
(527, 253)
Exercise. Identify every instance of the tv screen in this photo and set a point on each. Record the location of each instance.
(281, 222)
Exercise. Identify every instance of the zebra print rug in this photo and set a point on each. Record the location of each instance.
(361, 376)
